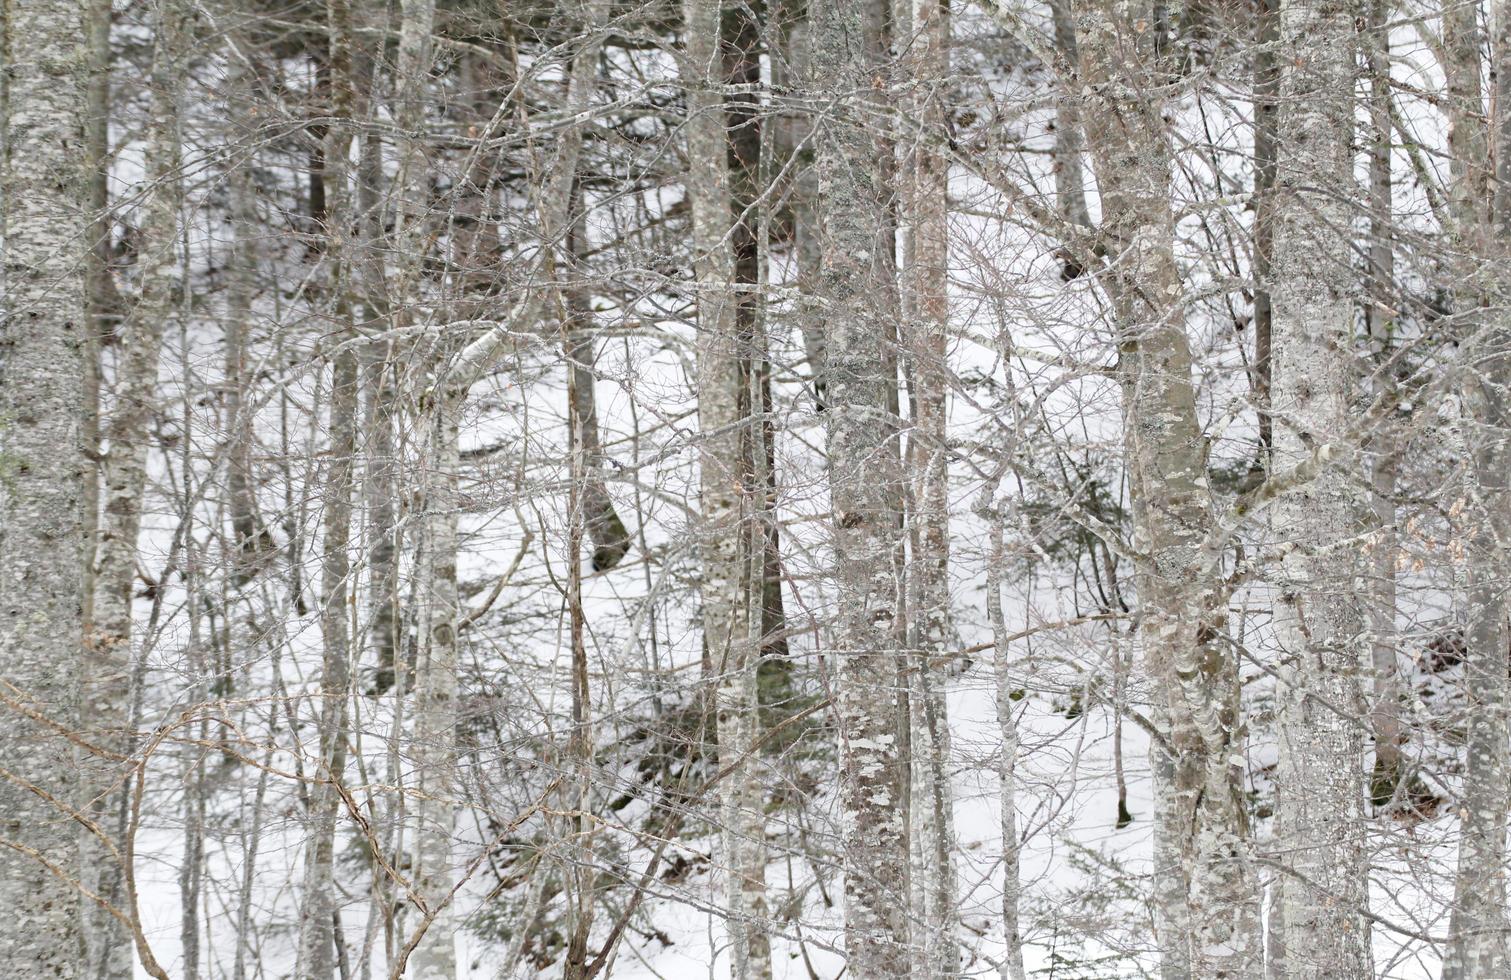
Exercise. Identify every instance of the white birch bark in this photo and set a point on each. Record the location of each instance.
(44, 201)
(1318, 621)
(1012, 960)
(856, 292)
(433, 739)
(433, 752)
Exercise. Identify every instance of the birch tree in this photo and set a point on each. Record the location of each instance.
(925, 277)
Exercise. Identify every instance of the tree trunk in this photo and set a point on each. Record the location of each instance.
(1070, 176)
(107, 952)
(728, 494)
(1318, 620)
(1181, 602)
(1266, 117)
(317, 938)
(926, 301)
(1012, 960)
(1385, 705)
(435, 709)
(606, 532)
(857, 293)
(107, 692)
(45, 212)
(1478, 931)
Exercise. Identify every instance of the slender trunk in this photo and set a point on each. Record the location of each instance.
(250, 541)
(727, 494)
(107, 953)
(606, 532)
(107, 691)
(1007, 699)
(1318, 620)
(581, 878)
(44, 204)
(433, 753)
(1478, 932)
(1070, 176)
(435, 709)
(380, 476)
(1385, 706)
(1266, 118)
(104, 303)
(317, 939)
(796, 32)
(926, 300)
(857, 290)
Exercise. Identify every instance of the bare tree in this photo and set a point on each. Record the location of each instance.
(1313, 292)
(865, 483)
(45, 214)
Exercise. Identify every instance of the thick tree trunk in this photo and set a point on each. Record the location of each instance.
(1181, 601)
(45, 212)
(1318, 619)
(1478, 929)
(857, 294)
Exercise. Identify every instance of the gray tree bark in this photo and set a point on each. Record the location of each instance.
(728, 494)
(925, 278)
(1478, 929)
(1385, 701)
(317, 939)
(1181, 600)
(856, 291)
(44, 202)
(1318, 621)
